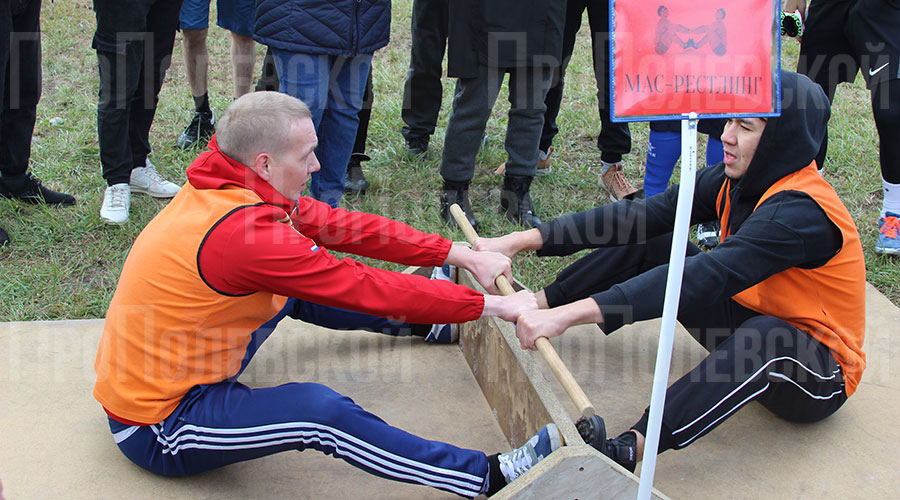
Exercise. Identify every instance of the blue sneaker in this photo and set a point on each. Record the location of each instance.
(447, 333)
(889, 239)
(523, 458)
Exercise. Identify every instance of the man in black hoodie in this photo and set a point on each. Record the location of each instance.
(779, 303)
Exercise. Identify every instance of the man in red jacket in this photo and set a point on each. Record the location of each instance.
(209, 278)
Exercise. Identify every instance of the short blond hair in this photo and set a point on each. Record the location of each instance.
(258, 122)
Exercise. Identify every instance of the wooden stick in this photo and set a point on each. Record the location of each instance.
(543, 345)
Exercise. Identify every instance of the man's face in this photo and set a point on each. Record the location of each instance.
(290, 169)
(740, 139)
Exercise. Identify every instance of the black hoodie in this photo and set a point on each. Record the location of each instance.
(788, 230)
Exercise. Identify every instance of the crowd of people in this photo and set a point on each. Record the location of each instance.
(772, 227)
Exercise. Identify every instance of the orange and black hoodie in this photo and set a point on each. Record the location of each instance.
(789, 247)
(220, 261)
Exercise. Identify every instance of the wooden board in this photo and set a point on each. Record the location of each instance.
(523, 401)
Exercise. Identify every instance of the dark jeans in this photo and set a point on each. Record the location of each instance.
(472, 105)
(422, 93)
(615, 138)
(752, 356)
(134, 40)
(20, 81)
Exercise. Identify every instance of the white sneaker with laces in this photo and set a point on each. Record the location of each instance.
(116, 201)
(519, 461)
(148, 181)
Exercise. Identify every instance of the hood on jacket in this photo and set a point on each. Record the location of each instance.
(790, 141)
(213, 169)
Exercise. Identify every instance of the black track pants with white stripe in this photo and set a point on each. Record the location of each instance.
(766, 359)
(752, 357)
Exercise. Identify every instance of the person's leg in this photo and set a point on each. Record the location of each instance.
(196, 66)
(423, 92)
(120, 57)
(225, 423)
(20, 90)
(268, 77)
(886, 108)
(365, 114)
(20, 83)
(826, 55)
(663, 151)
(304, 76)
(527, 90)
(765, 359)
(242, 55)
(614, 140)
(872, 27)
(472, 105)
(356, 182)
(553, 100)
(332, 88)
(194, 24)
(196, 62)
(337, 130)
(237, 16)
(162, 22)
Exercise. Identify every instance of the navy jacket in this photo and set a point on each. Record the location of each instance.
(336, 27)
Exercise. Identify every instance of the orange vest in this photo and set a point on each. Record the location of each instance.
(166, 330)
(828, 302)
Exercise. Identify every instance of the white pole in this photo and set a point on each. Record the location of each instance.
(670, 307)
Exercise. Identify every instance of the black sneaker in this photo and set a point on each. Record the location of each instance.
(198, 132)
(708, 235)
(622, 450)
(417, 146)
(29, 189)
(4, 237)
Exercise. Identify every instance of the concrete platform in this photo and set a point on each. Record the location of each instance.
(54, 441)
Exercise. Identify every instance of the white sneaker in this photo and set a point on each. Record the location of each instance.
(116, 201)
(517, 462)
(148, 181)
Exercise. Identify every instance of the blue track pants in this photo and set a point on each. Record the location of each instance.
(228, 422)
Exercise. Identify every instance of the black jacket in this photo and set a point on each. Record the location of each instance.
(787, 230)
(503, 34)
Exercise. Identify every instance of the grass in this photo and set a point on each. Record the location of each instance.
(64, 263)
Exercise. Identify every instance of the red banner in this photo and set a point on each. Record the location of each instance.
(672, 57)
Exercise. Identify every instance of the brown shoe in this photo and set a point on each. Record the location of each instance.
(544, 166)
(618, 186)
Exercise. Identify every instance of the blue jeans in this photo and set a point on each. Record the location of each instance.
(332, 87)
